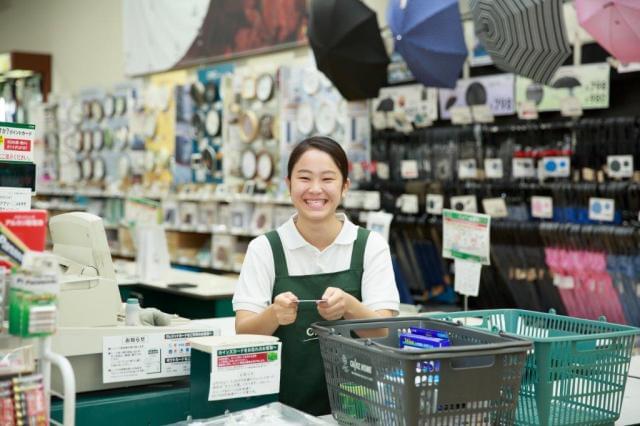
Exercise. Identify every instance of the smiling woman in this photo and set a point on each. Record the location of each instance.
(318, 256)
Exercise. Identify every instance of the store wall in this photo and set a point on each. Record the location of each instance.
(85, 38)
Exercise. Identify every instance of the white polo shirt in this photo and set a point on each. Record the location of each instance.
(255, 285)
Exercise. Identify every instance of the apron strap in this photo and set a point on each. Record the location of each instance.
(357, 255)
(279, 260)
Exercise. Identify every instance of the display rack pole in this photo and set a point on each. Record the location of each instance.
(466, 303)
(48, 357)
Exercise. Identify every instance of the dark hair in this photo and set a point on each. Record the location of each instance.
(324, 144)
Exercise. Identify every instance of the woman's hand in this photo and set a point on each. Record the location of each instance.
(285, 308)
(335, 304)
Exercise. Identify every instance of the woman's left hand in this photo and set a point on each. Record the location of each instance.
(335, 304)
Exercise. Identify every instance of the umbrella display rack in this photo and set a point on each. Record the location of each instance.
(372, 381)
(577, 371)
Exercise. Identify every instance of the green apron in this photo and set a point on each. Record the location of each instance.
(302, 382)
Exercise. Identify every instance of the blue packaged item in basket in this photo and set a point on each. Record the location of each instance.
(422, 342)
(429, 332)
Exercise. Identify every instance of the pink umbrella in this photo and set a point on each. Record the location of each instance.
(614, 24)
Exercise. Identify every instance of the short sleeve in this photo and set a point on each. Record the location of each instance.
(379, 289)
(255, 285)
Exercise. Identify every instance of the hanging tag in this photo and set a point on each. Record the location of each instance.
(464, 203)
(542, 207)
(523, 168)
(556, 166)
(482, 114)
(466, 236)
(493, 168)
(382, 170)
(372, 200)
(601, 209)
(461, 115)
(527, 111)
(564, 282)
(409, 204)
(409, 169)
(467, 169)
(353, 200)
(571, 107)
(495, 207)
(620, 166)
(435, 202)
(467, 277)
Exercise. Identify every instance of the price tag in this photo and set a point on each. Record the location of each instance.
(15, 198)
(354, 199)
(523, 168)
(467, 277)
(482, 114)
(461, 115)
(371, 200)
(409, 169)
(564, 282)
(556, 166)
(527, 110)
(382, 170)
(435, 202)
(542, 207)
(465, 236)
(468, 169)
(409, 204)
(493, 168)
(601, 209)
(620, 166)
(571, 107)
(464, 203)
(495, 207)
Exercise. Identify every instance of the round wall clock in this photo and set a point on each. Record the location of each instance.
(120, 105)
(249, 87)
(310, 81)
(99, 169)
(87, 168)
(264, 87)
(210, 92)
(97, 113)
(248, 126)
(109, 106)
(248, 164)
(97, 140)
(87, 142)
(326, 118)
(304, 119)
(264, 166)
(74, 142)
(75, 113)
(212, 123)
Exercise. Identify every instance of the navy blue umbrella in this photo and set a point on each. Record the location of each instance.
(429, 36)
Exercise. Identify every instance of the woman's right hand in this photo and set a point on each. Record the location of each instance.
(285, 307)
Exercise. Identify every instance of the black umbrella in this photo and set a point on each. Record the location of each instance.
(348, 48)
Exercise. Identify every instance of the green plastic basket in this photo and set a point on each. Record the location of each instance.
(577, 370)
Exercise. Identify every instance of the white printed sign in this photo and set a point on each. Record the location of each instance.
(409, 169)
(15, 198)
(493, 168)
(435, 202)
(556, 166)
(466, 236)
(620, 166)
(601, 209)
(467, 169)
(464, 203)
(243, 371)
(409, 203)
(523, 168)
(542, 207)
(147, 355)
(16, 142)
(494, 91)
(467, 277)
(495, 207)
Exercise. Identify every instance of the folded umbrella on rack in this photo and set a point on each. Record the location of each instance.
(526, 37)
(614, 24)
(429, 37)
(346, 42)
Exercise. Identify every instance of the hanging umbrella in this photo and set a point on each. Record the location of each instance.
(614, 24)
(428, 35)
(526, 37)
(348, 48)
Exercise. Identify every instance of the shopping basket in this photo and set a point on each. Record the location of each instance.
(475, 381)
(577, 370)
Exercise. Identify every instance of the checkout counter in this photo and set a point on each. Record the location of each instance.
(117, 377)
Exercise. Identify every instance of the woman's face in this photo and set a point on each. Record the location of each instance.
(316, 185)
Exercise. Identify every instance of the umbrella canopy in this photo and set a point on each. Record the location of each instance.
(526, 37)
(348, 48)
(614, 24)
(429, 37)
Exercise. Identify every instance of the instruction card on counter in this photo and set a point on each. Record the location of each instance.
(466, 236)
(147, 355)
(243, 371)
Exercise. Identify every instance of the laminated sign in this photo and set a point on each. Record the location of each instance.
(246, 370)
(16, 142)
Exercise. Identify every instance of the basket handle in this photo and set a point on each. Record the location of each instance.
(455, 351)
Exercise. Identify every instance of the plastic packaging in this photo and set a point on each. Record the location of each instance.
(132, 312)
